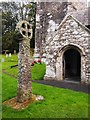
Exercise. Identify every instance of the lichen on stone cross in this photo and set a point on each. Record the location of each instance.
(24, 75)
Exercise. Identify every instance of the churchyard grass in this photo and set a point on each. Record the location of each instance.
(9, 61)
(37, 71)
(13, 58)
(57, 103)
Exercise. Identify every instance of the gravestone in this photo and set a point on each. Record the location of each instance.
(24, 32)
(2, 60)
(14, 51)
(6, 55)
(10, 54)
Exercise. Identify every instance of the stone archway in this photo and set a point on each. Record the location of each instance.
(68, 50)
(72, 65)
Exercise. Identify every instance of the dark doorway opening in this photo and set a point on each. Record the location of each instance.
(72, 65)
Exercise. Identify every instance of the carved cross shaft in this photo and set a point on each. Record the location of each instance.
(24, 75)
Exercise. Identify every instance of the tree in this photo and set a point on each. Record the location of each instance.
(11, 13)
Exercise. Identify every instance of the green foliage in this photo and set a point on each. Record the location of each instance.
(10, 42)
(8, 26)
(12, 12)
(57, 103)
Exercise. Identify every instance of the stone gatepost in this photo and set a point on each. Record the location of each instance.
(24, 32)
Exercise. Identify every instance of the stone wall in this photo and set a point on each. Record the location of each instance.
(52, 39)
(48, 17)
(71, 33)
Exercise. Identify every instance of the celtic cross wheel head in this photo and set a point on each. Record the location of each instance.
(24, 28)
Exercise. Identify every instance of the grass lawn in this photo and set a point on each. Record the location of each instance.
(37, 71)
(0, 90)
(13, 58)
(9, 61)
(58, 102)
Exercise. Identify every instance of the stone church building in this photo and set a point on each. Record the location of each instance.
(62, 40)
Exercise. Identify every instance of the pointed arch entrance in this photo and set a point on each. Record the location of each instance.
(72, 65)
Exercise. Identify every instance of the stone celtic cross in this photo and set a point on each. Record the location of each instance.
(24, 32)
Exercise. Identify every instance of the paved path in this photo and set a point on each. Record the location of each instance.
(76, 86)
(67, 85)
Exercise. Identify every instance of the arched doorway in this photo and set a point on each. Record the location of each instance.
(71, 65)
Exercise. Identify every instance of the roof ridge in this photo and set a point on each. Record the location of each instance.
(69, 15)
(63, 21)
